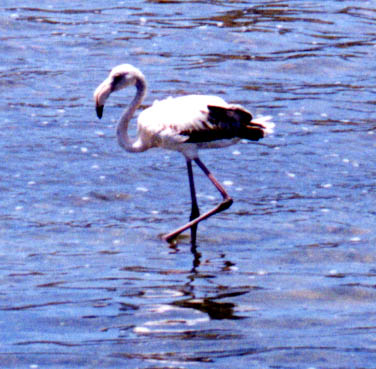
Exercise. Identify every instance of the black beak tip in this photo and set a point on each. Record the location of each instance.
(99, 109)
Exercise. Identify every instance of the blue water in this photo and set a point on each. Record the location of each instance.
(283, 279)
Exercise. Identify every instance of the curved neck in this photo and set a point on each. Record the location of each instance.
(127, 143)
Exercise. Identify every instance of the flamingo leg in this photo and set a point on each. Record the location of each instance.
(225, 204)
(195, 213)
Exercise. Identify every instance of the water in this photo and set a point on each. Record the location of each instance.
(284, 279)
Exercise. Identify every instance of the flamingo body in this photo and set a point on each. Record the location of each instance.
(185, 124)
(171, 122)
(193, 122)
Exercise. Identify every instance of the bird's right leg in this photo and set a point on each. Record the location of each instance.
(195, 210)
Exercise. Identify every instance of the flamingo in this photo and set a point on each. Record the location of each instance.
(184, 124)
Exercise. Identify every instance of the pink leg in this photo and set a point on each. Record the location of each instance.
(225, 204)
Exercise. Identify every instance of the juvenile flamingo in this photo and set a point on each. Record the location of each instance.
(185, 124)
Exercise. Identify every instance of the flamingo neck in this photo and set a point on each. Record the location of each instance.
(127, 143)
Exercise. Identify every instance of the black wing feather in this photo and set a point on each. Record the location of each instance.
(226, 123)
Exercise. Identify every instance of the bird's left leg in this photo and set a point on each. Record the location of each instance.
(227, 200)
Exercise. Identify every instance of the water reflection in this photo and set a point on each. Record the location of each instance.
(214, 309)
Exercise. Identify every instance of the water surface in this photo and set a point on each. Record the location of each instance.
(284, 279)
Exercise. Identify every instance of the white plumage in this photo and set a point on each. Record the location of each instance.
(185, 124)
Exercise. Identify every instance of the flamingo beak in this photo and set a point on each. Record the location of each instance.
(101, 94)
(99, 109)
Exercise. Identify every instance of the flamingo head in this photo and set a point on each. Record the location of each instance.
(120, 77)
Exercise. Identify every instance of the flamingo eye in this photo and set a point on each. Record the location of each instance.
(117, 79)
